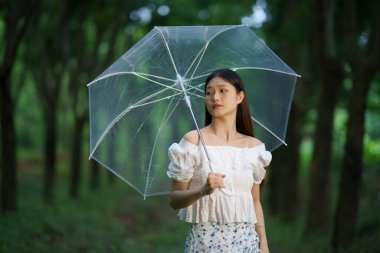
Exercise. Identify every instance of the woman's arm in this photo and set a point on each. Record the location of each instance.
(260, 225)
(181, 196)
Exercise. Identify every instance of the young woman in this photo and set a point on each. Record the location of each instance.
(224, 205)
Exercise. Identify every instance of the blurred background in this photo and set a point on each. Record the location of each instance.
(322, 192)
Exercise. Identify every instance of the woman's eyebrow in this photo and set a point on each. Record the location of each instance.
(217, 86)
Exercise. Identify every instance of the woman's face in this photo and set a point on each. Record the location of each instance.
(222, 97)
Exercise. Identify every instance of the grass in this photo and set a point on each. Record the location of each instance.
(112, 219)
(116, 219)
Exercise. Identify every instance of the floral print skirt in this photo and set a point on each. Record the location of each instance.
(211, 237)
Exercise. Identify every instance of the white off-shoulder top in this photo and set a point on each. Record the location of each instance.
(243, 167)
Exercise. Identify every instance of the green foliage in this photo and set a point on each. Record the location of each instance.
(114, 219)
(372, 135)
(2, 35)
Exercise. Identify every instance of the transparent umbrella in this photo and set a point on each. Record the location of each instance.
(154, 94)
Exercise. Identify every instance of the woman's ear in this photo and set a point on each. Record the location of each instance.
(240, 97)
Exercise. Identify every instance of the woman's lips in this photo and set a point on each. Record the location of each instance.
(214, 106)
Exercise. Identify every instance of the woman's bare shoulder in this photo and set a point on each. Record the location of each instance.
(252, 141)
(192, 137)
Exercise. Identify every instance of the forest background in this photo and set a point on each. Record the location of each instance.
(322, 192)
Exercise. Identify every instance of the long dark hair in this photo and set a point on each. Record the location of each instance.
(243, 116)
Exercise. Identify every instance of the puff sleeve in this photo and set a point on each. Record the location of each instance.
(263, 160)
(182, 157)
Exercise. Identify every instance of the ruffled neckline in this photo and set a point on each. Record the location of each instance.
(187, 143)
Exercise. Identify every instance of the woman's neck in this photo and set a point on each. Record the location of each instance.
(225, 130)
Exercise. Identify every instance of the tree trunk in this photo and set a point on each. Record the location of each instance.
(76, 156)
(330, 71)
(50, 153)
(94, 183)
(349, 188)
(111, 160)
(284, 169)
(48, 83)
(319, 205)
(284, 177)
(8, 160)
(364, 66)
(16, 19)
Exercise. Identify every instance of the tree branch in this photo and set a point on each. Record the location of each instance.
(373, 46)
(329, 28)
(14, 31)
(349, 31)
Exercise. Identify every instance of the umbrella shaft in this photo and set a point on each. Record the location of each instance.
(188, 103)
(201, 137)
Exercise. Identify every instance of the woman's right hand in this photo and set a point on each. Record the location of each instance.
(214, 180)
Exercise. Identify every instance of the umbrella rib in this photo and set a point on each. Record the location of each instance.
(278, 138)
(202, 51)
(164, 98)
(167, 86)
(113, 122)
(217, 34)
(196, 95)
(171, 57)
(117, 174)
(158, 77)
(155, 101)
(229, 28)
(126, 73)
(254, 68)
(163, 122)
(196, 88)
(272, 70)
(201, 76)
(206, 46)
(168, 97)
(156, 194)
(167, 48)
(190, 93)
(139, 128)
(137, 104)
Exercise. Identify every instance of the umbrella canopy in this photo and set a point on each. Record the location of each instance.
(141, 104)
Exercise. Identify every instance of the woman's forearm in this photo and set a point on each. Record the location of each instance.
(181, 196)
(184, 198)
(260, 225)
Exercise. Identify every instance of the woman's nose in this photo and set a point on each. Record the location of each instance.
(216, 97)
